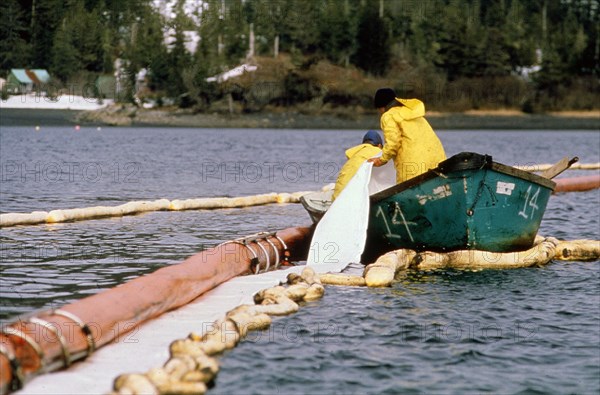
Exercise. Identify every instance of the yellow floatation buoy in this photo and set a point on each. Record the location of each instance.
(383, 271)
(12, 219)
(578, 250)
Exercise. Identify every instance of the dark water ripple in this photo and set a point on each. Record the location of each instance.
(525, 331)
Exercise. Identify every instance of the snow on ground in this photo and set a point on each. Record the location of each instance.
(236, 72)
(64, 102)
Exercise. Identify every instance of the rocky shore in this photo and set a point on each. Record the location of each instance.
(128, 115)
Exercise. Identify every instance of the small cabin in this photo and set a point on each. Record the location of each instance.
(26, 80)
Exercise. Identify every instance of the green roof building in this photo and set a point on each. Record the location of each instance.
(25, 80)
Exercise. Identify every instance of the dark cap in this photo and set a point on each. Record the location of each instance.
(383, 97)
(373, 137)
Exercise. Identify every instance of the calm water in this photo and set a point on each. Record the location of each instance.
(523, 331)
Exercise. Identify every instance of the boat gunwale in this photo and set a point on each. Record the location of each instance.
(440, 171)
(315, 213)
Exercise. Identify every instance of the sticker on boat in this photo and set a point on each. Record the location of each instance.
(504, 188)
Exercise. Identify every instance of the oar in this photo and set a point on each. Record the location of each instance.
(559, 167)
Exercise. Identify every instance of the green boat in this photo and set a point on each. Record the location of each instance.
(467, 202)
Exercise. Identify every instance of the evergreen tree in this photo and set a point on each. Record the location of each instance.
(471, 41)
(520, 46)
(146, 48)
(64, 61)
(423, 41)
(46, 18)
(561, 53)
(236, 31)
(271, 19)
(460, 41)
(373, 43)
(571, 40)
(212, 33)
(87, 36)
(337, 32)
(178, 58)
(496, 59)
(588, 12)
(14, 49)
(301, 26)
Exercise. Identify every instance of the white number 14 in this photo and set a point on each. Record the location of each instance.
(530, 201)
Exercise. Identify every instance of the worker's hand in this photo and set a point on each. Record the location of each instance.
(376, 162)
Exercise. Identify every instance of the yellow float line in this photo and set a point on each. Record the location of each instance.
(386, 267)
(137, 207)
(546, 166)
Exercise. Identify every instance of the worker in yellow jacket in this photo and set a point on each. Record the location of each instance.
(409, 139)
(357, 155)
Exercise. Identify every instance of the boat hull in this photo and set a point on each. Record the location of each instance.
(468, 202)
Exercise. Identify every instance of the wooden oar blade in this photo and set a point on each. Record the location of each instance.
(559, 167)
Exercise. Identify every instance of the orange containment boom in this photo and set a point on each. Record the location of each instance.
(577, 184)
(53, 339)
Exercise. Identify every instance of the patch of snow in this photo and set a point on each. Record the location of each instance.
(63, 102)
(235, 72)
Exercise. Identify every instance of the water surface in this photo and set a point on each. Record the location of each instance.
(534, 330)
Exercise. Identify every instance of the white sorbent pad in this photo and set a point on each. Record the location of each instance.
(340, 236)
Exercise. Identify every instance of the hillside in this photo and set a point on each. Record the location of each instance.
(314, 93)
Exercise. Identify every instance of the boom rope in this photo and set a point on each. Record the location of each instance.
(259, 240)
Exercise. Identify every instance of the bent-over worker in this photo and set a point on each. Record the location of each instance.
(409, 139)
(357, 155)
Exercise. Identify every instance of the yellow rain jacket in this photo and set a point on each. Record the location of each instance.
(409, 140)
(356, 157)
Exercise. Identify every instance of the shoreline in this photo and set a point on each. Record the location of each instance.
(128, 117)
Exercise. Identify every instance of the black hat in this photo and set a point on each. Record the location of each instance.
(383, 97)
